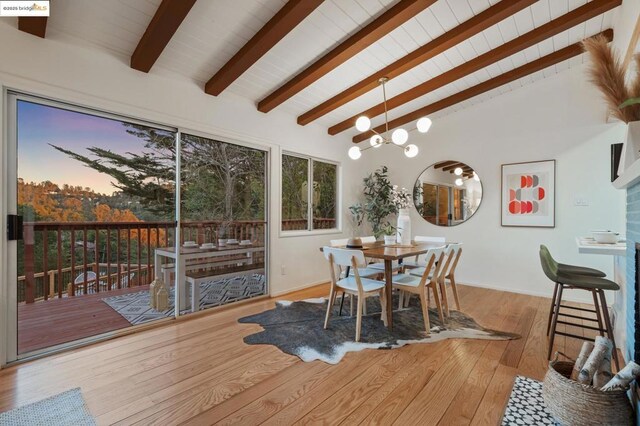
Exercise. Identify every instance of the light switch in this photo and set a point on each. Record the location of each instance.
(580, 201)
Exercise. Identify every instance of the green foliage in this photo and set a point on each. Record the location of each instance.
(629, 102)
(219, 180)
(377, 206)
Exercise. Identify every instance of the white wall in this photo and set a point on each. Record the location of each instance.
(92, 78)
(559, 118)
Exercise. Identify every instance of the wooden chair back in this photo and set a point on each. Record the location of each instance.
(343, 258)
(453, 252)
(433, 257)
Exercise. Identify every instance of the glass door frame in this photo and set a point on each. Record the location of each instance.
(8, 249)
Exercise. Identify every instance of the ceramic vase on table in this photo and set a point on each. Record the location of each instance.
(404, 227)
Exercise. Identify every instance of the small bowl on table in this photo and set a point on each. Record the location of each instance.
(605, 237)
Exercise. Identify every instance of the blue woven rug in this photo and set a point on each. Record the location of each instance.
(65, 409)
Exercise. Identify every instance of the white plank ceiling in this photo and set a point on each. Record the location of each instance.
(214, 30)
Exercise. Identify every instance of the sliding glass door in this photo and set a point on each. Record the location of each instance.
(224, 215)
(94, 196)
(100, 240)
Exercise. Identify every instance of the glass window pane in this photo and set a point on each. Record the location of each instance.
(295, 193)
(443, 205)
(223, 194)
(429, 203)
(98, 198)
(324, 195)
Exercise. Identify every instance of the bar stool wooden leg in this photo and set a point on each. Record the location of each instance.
(553, 303)
(607, 320)
(554, 322)
(598, 313)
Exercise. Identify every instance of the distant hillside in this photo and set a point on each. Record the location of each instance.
(49, 202)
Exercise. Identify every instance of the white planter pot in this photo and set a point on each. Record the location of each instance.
(389, 240)
(404, 227)
(631, 148)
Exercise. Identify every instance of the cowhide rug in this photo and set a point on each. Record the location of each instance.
(296, 328)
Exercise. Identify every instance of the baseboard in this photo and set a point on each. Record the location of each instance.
(528, 292)
(302, 287)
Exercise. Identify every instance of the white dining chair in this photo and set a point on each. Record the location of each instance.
(453, 253)
(419, 260)
(449, 262)
(365, 272)
(356, 285)
(411, 284)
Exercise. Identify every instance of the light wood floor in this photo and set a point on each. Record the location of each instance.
(199, 371)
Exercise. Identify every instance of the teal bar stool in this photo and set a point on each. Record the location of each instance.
(577, 277)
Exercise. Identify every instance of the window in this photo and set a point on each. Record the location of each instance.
(308, 207)
(442, 204)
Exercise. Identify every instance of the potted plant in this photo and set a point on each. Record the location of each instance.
(608, 73)
(377, 205)
(389, 234)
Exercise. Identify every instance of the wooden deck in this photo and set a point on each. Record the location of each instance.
(45, 324)
(199, 371)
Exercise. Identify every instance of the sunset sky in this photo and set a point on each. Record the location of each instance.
(39, 126)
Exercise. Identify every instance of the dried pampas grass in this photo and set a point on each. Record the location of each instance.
(607, 73)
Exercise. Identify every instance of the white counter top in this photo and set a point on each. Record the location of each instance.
(587, 245)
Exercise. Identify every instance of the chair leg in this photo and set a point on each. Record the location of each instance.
(425, 312)
(554, 322)
(341, 303)
(445, 300)
(553, 304)
(351, 305)
(452, 280)
(383, 306)
(359, 318)
(332, 298)
(598, 313)
(436, 297)
(607, 321)
(400, 299)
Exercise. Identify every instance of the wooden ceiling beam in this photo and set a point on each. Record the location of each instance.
(162, 27)
(453, 166)
(462, 32)
(554, 27)
(287, 18)
(515, 74)
(401, 12)
(35, 25)
(443, 164)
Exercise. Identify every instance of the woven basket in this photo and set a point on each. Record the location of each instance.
(572, 403)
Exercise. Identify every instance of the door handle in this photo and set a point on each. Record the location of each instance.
(14, 227)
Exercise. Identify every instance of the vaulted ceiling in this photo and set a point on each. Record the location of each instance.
(319, 60)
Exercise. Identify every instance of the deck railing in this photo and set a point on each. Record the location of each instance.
(67, 259)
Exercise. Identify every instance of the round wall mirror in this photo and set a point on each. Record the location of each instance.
(447, 193)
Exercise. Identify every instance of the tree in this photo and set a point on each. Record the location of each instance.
(219, 180)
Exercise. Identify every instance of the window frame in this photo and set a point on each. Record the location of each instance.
(309, 230)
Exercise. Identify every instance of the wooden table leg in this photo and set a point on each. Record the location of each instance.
(388, 288)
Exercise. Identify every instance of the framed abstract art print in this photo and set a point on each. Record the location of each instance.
(528, 194)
